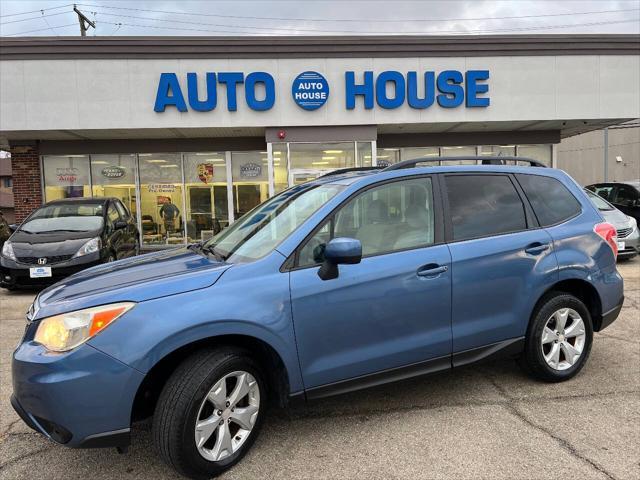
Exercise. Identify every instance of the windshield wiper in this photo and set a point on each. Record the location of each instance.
(208, 249)
(212, 250)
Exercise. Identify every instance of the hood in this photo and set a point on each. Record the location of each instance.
(616, 218)
(27, 244)
(134, 279)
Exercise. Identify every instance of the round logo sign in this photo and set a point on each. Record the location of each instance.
(310, 90)
(113, 172)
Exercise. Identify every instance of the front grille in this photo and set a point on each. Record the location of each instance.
(50, 260)
(624, 232)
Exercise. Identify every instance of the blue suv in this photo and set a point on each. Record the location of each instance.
(351, 280)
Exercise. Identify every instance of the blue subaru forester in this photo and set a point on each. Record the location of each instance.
(348, 281)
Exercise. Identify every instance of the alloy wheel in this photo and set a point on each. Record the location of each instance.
(227, 416)
(563, 339)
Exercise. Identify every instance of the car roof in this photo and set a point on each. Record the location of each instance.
(95, 200)
(370, 176)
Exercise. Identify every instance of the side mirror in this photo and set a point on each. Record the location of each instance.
(120, 224)
(13, 227)
(338, 251)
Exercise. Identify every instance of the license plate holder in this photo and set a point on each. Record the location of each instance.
(40, 272)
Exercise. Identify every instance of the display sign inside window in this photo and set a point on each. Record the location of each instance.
(161, 188)
(113, 172)
(67, 175)
(250, 170)
(205, 172)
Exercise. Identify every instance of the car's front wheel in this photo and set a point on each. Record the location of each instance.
(209, 412)
(559, 338)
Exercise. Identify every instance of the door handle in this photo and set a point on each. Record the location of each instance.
(431, 270)
(536, 248)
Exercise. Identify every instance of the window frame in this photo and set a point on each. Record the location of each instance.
(121, 208)
(291, 263)
(531, 222)
(577, 214)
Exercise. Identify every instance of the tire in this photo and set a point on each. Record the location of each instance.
(182, 404)
(538, 359)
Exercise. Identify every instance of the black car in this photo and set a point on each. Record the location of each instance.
(625, 196)
(65, 236)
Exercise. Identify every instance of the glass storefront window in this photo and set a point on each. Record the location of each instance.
(250, 181)
(498, 150)
(541, 153)
(458, 152)
(364, 154)
(411, 153)
(280, 167)
(311, 160)
(66, 176)
(161, 205)
(115, 176)
(387, 156)
(205, 182)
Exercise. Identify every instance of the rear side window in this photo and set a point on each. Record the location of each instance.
(552, 202)
(483, 205)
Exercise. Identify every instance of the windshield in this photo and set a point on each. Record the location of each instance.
(599, 202)
(65, 217)
(263, 228)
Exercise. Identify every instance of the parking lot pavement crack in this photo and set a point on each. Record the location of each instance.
(621, 339)
(25, 456)
(5, 432)
(567, 446)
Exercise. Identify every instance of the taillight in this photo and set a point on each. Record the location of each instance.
(609, 234)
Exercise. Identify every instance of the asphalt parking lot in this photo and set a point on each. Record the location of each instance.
(485, 421)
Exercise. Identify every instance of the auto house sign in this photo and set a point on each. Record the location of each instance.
(250, 170)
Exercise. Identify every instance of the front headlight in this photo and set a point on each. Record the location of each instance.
(66, 331)
(633, 223)
(92, 246)
(7, 250)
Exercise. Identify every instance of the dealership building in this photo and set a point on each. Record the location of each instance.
(215, 125)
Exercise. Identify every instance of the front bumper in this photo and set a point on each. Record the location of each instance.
(631, 245)
(14, 274)
(82, 398)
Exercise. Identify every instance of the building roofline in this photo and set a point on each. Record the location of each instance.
(34, 48)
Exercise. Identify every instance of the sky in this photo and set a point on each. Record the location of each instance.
(319, 17)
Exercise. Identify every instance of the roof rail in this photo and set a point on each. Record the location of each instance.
(340, 171)
(481, 160)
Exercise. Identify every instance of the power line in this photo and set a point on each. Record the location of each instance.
(244, 17)
(290, 29)
(36, 11)
(461, 32)
(40, 29)
(33, 18)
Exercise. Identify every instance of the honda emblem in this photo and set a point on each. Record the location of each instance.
(42, 261)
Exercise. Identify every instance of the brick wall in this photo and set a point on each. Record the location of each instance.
(27, 192)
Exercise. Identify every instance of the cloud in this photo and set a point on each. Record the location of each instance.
(334, 17)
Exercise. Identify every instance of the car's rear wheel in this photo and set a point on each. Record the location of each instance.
(559, 338)
(209, 412)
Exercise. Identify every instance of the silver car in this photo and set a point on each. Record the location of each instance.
(627, 228)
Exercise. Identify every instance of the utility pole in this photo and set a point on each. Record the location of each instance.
(85, 23)
(606, 154)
